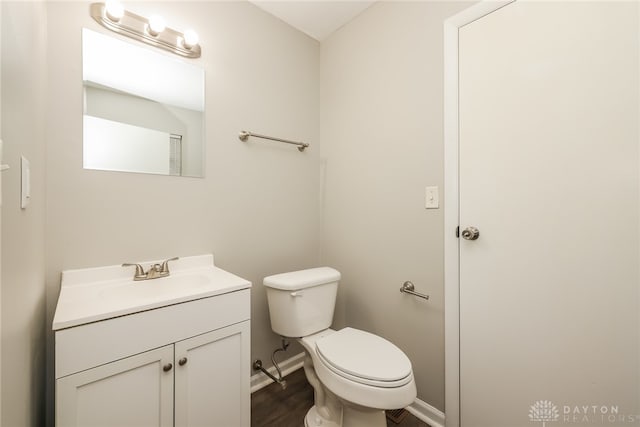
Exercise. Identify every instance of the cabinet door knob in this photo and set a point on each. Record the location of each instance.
(182, 361)
(167, 367)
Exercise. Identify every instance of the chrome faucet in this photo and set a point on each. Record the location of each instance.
(155, 271)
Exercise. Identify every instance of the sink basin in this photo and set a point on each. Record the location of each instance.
(95, 294)
(162, 288)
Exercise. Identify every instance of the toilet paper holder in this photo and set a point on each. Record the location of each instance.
(409, 288)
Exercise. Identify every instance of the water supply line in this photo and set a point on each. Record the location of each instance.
(257, 366)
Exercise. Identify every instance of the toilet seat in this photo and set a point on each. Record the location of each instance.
(364, 358)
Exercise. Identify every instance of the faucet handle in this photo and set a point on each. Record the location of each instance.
(165, 265)
(140, 274)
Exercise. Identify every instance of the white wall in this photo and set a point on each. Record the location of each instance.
(140, 112)
(23, 258)
(131, 109)
(118, 146)
(257, 209)
(381, 135)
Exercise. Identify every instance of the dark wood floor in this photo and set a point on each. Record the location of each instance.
(274, 407)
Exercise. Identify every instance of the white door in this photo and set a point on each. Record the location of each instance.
(212, 379)
(136, 391)
(548, 170)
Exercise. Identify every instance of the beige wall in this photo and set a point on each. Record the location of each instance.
(381, 134)
(23, 289)
(257, 209)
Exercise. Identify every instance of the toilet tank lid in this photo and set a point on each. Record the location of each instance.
(302, 279)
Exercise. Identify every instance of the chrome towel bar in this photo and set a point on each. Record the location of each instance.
(409, 288)
(244, 136)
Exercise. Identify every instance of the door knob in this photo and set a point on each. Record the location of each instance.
(182, 361)
(167, 367)
(470, 233)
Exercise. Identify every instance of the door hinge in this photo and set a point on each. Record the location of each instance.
(458, 232)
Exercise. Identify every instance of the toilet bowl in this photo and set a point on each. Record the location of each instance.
(356, 375)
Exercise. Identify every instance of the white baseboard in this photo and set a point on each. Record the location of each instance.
(427, 413)
(260, 380)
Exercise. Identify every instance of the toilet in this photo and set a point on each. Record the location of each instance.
(355, 375)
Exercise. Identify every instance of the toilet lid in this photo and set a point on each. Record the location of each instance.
(365, 358)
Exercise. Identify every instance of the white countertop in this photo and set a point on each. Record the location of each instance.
(93, 294)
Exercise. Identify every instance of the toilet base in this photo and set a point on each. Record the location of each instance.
(353, 416)
(313, 419)
(331, 411)
(358, 416)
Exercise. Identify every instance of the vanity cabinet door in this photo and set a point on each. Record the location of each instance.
(135, 391)
(212, 379)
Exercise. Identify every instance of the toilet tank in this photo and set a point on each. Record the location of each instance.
(302, 302)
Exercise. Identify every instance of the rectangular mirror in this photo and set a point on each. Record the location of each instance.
(143, 111)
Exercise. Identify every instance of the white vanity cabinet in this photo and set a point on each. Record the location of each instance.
(213, 394)
(182, 364)
(134, 391)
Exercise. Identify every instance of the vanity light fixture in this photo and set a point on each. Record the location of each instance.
(114, 10)
(156, 25)
(152, 31)
(190, 39)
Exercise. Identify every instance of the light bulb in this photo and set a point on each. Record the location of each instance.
(114, 10)
(156, 25)
(190, 39)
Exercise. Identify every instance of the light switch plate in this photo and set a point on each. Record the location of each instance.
(26, 182)
(431, 198)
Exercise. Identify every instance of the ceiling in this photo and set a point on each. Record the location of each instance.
(317, 18)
